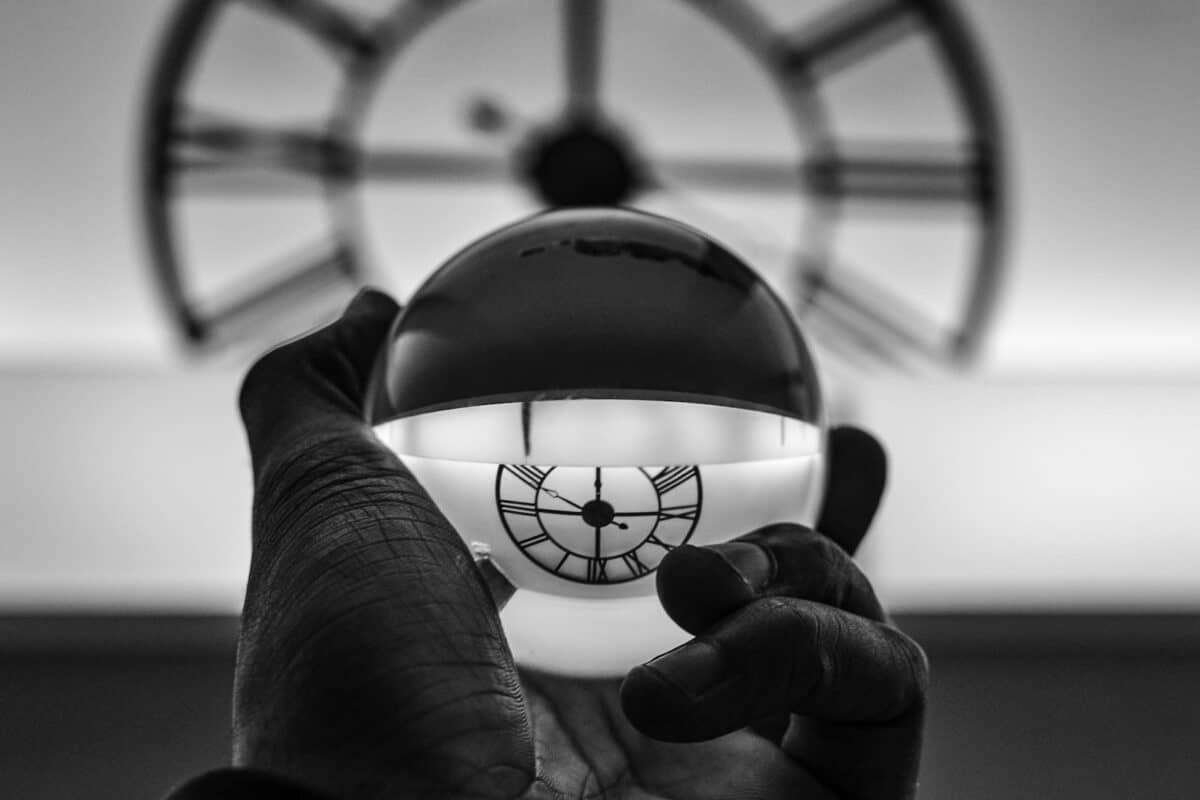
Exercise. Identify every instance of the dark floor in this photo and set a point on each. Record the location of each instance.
(1022, 707)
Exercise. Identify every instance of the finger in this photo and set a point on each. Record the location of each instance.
(855, 478)
(698, 586)
(315, 383)
(776, 654)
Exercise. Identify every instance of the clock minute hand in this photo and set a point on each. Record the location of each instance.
(597, 484)
(558, 496)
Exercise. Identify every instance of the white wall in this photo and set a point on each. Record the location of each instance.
(131, 488)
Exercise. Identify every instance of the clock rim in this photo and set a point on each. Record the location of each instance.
(182, 44)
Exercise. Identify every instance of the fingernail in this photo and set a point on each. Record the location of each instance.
(752, 562)
(694, 667)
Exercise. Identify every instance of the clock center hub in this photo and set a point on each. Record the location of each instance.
(597, 513)
(580, 164)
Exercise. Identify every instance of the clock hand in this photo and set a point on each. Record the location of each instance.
(579, 513)
(583, 21)
(558, 496)
(568, 513)
(620, 525)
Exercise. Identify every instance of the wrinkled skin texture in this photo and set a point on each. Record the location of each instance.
(372, 663)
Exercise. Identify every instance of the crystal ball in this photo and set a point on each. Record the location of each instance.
(585, 390)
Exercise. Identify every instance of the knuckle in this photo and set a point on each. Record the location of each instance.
(918, 662)
(789, 620)
(820, 552)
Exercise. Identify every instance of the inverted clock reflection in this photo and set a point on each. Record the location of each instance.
(601, 524)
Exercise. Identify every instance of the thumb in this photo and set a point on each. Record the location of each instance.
(370, 645)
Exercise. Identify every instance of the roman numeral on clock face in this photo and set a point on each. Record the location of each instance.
(669, 478)
(531, 476)
(532, 540)
(652, 539)
(597, 570)
(518, 507)
(634, 564)
(688, 512)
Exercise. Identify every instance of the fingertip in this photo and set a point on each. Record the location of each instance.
(681, 695)
(698, 586)
(654, 705)
(362, 329)
(856, 478)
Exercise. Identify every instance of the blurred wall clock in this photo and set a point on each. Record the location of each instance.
(849, 149)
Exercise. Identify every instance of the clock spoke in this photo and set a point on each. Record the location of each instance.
(583, 29)
(348, 36)
(730, 174)
(844, 36)
(433, 165)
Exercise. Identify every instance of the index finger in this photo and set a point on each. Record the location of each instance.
(316, 382)
(698, 586)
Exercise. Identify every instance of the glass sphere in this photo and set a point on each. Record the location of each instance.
(585, 390)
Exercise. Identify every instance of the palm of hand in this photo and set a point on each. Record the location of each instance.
(590, 750)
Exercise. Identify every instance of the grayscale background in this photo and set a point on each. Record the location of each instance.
(1040, 530)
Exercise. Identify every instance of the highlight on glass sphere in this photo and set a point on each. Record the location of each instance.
(582, 392)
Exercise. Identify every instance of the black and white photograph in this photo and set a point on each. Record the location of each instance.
(600, 400)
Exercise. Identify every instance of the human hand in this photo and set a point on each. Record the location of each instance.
(372, 662)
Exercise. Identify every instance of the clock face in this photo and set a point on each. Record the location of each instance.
(598, 525)
(849, 149)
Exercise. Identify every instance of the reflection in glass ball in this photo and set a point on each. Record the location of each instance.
(582, 393)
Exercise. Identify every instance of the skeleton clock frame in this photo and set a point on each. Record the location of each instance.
(182, 142)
